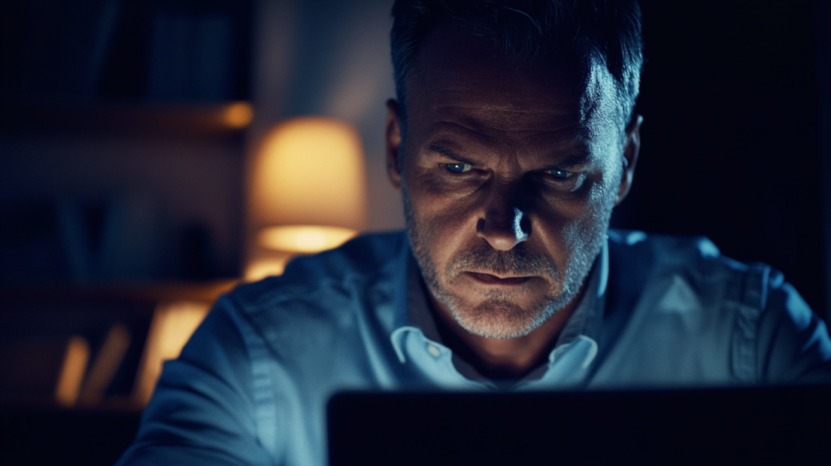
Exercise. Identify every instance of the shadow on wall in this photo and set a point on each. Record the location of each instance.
(340, 68)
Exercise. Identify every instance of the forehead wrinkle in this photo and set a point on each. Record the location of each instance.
(466, 127)
(489, 120)
(573, 138)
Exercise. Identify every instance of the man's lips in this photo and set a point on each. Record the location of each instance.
(489, 279)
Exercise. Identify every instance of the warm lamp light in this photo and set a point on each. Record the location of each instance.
(309, 187)
(72, 371)
(172, 326)
(262, 267)
(238, 115)
(304, 238)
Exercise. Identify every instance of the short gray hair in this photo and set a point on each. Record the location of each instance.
(606, 30)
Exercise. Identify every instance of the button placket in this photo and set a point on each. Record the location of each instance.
(433, 350)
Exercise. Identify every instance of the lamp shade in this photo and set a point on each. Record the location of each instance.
(309, 173)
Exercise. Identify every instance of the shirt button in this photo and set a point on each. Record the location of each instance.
(434, 350)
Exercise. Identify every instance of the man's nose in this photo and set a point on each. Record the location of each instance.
(503, 224)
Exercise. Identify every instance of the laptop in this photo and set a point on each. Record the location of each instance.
(776, 425)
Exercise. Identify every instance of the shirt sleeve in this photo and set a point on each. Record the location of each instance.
(794, 346)
(203, 411)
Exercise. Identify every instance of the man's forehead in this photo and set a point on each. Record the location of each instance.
(459, 73)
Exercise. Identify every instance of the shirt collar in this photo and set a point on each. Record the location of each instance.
(418, 310)
(411, 311)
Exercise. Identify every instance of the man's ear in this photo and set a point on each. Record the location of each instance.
(392, 134)
(630, 156)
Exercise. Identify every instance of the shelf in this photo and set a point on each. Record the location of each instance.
(95, 346)
(51, 435)
(31, 295)
(126, 118)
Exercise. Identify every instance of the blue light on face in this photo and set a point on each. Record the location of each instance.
(518, 233)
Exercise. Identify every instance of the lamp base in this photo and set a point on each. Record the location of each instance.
(304, 238)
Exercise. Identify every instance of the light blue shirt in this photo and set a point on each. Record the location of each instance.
(252, 384)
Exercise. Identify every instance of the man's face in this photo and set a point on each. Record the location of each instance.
(509, 175)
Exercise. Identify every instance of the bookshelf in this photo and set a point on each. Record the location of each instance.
(123, 132)
(156, 50)
(134, 114)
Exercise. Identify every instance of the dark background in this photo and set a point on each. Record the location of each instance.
(732, 147)
(731, 141)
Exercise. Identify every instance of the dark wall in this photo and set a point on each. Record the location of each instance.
(730, 133)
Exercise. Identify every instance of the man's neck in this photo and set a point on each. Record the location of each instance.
(500, 359)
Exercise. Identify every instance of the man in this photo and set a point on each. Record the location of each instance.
(512, 139)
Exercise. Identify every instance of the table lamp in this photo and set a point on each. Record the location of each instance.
(308, 191)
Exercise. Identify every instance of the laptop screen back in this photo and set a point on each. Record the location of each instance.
(784, 425)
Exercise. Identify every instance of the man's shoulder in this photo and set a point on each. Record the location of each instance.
(330, 277)
(660, 268)
(650, 251)
(646, 266)
(714, 318)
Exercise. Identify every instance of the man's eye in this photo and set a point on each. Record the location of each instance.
(458, 167)
(560, 174)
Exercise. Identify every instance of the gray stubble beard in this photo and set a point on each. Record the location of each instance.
(497, 316)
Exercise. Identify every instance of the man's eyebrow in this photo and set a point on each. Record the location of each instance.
(574, 160)
(449, 153)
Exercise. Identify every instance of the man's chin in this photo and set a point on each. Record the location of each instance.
(500, 319)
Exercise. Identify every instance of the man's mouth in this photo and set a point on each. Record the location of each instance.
(490, 279)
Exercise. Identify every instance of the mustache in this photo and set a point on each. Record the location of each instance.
(517, 261)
